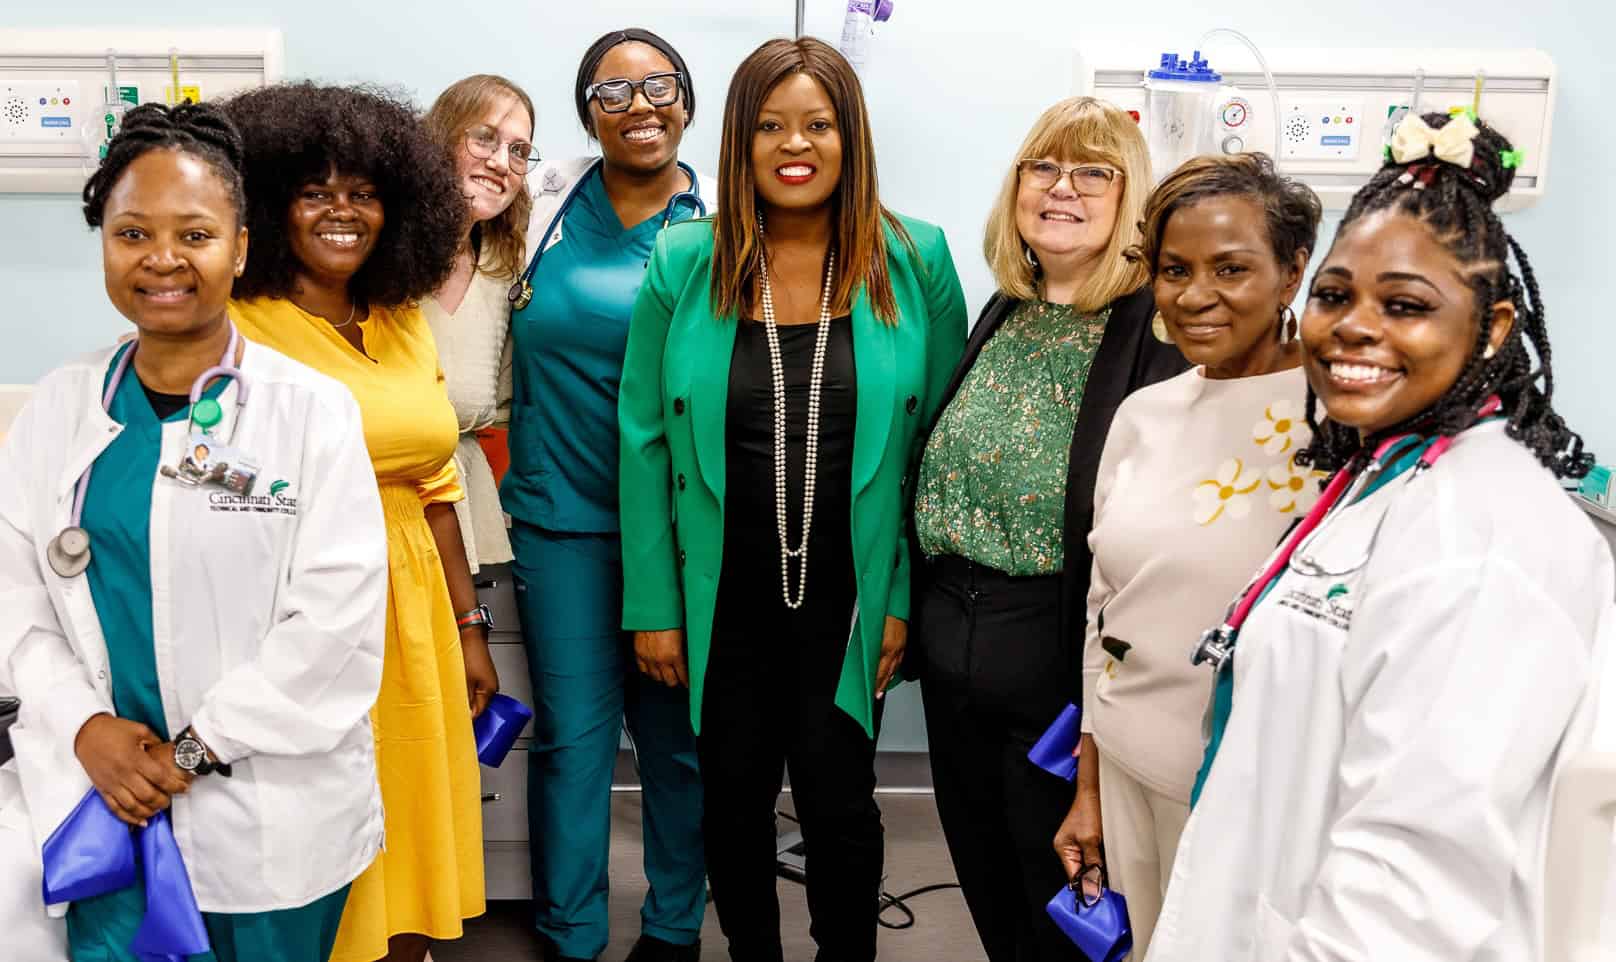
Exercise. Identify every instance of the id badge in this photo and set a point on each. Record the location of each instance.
(209, 462)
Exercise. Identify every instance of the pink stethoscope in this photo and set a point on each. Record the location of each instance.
(69, 552)
(1216, 645)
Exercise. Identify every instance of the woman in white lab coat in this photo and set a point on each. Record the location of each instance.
(193, 575)
(1411, 681)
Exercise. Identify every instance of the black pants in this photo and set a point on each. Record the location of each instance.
(768, 705)
(995, 673)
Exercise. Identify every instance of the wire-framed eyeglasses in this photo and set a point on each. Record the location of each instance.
(1090, 180)
(482, 142)
(1089, 884)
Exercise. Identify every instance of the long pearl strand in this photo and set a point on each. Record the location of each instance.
(777, 372)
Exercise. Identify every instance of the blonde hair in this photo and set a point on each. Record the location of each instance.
(501, 241)
(1077, 130)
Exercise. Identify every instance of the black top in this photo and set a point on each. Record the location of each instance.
(751, 541)
(1129, 358)
(165, 405)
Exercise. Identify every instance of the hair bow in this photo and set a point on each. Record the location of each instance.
(1414, 140)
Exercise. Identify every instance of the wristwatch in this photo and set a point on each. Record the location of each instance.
(192, 756)
(479, 615)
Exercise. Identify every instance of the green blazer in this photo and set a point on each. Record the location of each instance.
(672, 412)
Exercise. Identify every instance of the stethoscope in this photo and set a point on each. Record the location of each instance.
(521, 293)
(69, 552)
(1216, 645)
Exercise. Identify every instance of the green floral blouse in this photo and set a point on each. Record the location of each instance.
(992, 484)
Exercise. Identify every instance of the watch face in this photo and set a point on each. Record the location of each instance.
(188, 754)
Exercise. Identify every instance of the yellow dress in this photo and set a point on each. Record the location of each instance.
(430, 875)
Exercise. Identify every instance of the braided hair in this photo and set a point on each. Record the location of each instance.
(1456, 203)
(201, 130)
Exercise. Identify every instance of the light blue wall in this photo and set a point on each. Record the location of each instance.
(952, 87)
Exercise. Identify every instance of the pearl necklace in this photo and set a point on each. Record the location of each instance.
(777, 372)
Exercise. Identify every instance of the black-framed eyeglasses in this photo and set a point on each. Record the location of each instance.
(1089, 180)
(616, 96)
(1090, 884)
(482, 142)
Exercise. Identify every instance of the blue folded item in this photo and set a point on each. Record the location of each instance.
(172, 930)
(92, 853)
(497, 727)
(1101, 930)
(1053, 753)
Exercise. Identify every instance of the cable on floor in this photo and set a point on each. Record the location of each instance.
(888, 901)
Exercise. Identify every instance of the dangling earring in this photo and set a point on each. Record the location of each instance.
(1158, 327)
(1032, 259)
(1287, 324)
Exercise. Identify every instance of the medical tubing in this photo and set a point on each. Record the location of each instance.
(225, 368)
(1282, 557)
(1440, 446)
(1273, 89)
(106, 405)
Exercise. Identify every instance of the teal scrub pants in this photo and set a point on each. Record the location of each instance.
(585, 683)
(100, 930)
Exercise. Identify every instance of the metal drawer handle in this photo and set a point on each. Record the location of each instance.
(492, 796)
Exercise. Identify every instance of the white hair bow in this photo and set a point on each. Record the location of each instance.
(1414, 140)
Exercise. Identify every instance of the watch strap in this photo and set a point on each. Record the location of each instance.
(479, 615)
(206, 766)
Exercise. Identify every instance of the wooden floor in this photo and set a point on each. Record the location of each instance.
(916, 856)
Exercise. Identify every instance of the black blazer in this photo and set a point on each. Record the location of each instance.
(1129, 358)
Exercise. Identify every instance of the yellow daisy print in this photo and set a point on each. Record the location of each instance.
(1292, 488)
(1226, 493)
(1280, 429)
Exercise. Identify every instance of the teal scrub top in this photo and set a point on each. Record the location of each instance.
(567, 350)
(117, 516)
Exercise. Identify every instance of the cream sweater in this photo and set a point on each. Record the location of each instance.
(471, 350)
(1195, 488)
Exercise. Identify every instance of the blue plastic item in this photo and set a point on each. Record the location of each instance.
(1194, 70)
(1101, 931)
(1053, 752)
(497, 727)
(92, 853)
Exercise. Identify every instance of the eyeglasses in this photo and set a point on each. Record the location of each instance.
(1089, 885)
(616, 96)
(1090, 180)
(482, 142)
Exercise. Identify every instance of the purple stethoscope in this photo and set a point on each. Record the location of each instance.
(69, 552)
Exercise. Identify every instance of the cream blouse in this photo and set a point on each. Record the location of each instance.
(472, 348)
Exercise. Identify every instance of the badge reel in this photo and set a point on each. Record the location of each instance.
(207, 461)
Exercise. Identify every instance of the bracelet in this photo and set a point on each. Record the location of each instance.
(479, 615)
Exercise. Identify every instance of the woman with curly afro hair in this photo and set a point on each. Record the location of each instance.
(356, 214)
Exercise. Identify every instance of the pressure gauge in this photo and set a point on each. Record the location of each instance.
(1234, 112)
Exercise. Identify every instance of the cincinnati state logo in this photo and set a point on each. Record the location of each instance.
(1334, 608)
(278, 501)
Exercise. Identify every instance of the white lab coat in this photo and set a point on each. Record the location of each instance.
(30, 932)
(1384, 783)
(268, 619)
(554, 183)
